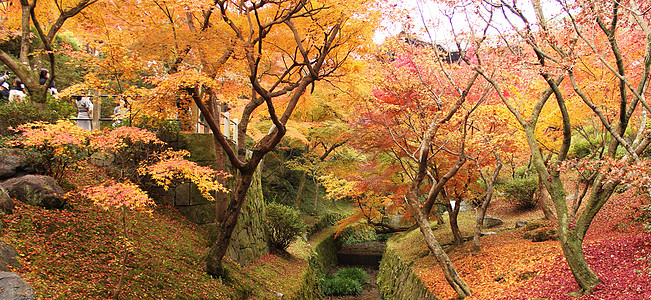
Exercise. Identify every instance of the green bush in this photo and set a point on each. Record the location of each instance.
(356, 274)
(340, 286)
(356, 234)
(521, 191)
(23, 112)
(324, 221)
(283, 224)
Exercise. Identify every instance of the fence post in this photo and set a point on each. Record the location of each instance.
(194, 117)
(227, 125)
(97, 109)
(236, 132)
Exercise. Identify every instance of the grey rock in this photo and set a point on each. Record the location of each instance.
(519, 224)
(10, 163)
(37, 190)
(12, 287)
(6, 204)
(8, 258)
(490, 222)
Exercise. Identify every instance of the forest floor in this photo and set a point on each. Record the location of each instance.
(617, 247)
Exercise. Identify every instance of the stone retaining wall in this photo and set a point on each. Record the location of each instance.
(249, 240)
(323, 257)
(396, 279)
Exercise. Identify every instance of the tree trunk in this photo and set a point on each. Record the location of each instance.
(299, 193)
(573, 250)
(227, 225)
(454, 225)
(544, 201)
(480, 214)
(443, 260)
(571, 242)
(316, 192)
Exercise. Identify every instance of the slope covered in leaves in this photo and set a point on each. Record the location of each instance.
(77, 253)
(510, 267)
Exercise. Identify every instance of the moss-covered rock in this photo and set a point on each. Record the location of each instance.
(37, 190)
(541, 234)
(397, 280)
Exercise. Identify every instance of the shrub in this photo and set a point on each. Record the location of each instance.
(521, 191)
(23, 112)
(356, 274)
(283, 224)
(340, 286)
(324, 221)
(356, 234)
(53, 149)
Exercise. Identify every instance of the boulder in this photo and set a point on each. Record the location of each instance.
(519, 224)
(8, 258)
(541, 234)
(6, 204)
(37, 190)
(10, 164)
(12, 287)
(490, 222)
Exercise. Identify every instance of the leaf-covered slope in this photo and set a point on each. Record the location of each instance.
(77, 253)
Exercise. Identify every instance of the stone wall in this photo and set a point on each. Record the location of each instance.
(249, 240)
(397, 280)
(322, 258)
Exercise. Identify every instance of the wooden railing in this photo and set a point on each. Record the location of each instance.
(229, 126)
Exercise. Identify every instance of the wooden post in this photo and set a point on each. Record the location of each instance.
(194, 118)
(97, 109)
(227, 125)
(236, 132)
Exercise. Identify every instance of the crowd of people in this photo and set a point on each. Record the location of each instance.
(14, 90)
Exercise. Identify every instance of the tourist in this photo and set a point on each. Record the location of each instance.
(17, 91)
(4, 92)
(120, 112)
(43, 77)
(85, 111)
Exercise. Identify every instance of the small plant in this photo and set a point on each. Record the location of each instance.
(283, 224)
(340, 286)
(53, 149)
(356, 274)
(521, 191)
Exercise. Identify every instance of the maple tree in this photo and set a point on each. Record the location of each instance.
(587, 43)
(220, 51)
(323, 132)
(56, 148)
(419, 118)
